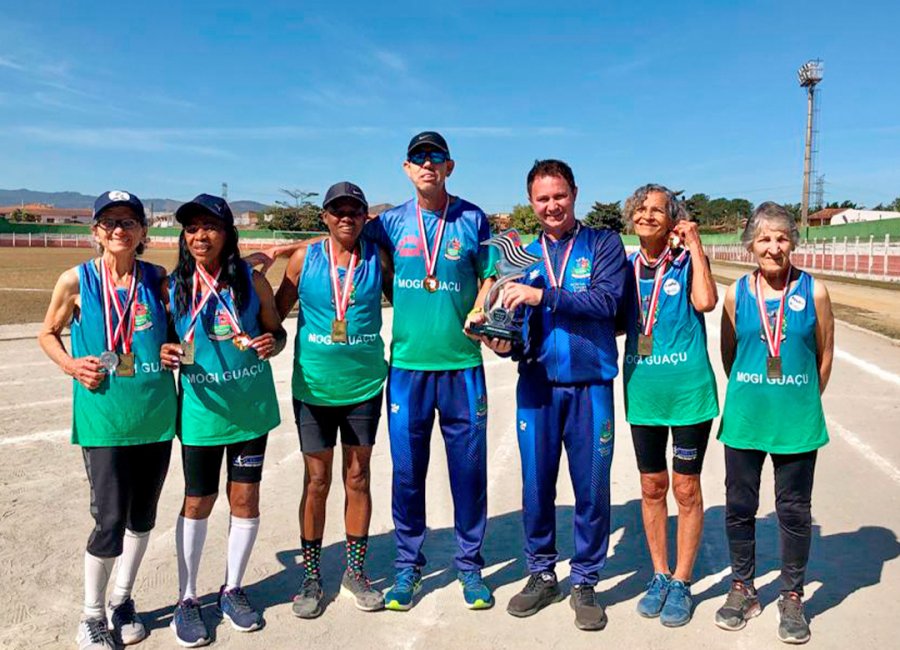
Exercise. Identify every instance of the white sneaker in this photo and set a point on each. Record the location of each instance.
(125, 622)
(93, 634)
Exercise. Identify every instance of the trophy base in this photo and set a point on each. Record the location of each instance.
(497, 332)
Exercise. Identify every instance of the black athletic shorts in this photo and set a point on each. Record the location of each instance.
(125, 486)
(244, 464)
(688, 447)
(318, 426)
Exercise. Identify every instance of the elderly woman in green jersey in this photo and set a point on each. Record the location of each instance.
(669, 385)
(777, 348)
(123, 408)
(339, 373)
(225, 318)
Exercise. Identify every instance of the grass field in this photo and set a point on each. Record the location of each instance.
(28, 275)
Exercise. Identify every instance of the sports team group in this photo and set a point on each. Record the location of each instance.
(157, 354)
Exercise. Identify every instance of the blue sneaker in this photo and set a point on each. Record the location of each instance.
(651, 604)
(406, 585)
(188, 626)
(677, 610)
(236, 607)
(476, 594)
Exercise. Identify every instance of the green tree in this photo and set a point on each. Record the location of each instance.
(697, 206)
(304, 217)
(895, 205)
(523, 219)
(23, 216)
(606, 215)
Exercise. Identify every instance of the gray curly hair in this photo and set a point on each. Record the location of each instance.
(675, 209)
(775, 215)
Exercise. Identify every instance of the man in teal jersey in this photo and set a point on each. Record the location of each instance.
(439, 266)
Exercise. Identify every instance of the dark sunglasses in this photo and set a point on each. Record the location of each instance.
(436, 157)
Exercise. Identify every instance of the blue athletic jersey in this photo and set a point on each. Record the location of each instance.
(571, 334)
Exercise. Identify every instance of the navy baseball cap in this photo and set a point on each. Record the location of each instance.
(345, 190)
(214, 206)
(113, 198)
(428, 138)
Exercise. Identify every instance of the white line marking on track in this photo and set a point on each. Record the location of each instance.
(867, 452)
(25, 405)
(36, 437)
(866, 366)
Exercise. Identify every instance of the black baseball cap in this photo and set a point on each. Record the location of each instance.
(113, 198)
(214, 206)
(342, 190)
(428, 138)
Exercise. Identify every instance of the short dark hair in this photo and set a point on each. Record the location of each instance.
(550, 167)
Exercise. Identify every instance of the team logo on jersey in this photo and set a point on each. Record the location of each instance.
(142, 319)
(607, 433)
(409, 246)
(453, 250)
(772, 316)
(522, 425)
(352, 294)
(671, 287)
(533, 275)
(221, 328)
(582, 268)
(796, 303)
(481, 406)
(395, 408)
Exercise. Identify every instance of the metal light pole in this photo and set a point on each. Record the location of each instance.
(810, 75)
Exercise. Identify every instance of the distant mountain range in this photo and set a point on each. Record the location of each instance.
(78, 200)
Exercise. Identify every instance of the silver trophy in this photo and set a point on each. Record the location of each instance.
(500, 322)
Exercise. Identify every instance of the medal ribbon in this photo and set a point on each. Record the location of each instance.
(660, 266)
(211, 285)
(431, 256)
(124, 331)
(773, 339)
(341, 300)
(556, 281)
(195, 308)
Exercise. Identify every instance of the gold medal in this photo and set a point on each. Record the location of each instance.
(338, 331)
(187, 352)
(126, 365)
(773, 367)
(645, 345)
(241, 341)
(430, 283)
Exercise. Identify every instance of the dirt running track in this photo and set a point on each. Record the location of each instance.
(853, 580)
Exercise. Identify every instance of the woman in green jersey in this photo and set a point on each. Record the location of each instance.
(777, 348)
(123, 409)
(225, 318)
(669, 384)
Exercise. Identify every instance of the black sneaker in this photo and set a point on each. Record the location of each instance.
(792, 625)
(741, 605)
(589, 614)
(542, 589)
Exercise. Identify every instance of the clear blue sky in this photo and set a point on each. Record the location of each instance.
(171, 99)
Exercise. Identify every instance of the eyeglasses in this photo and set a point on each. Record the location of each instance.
(436, 157)
(109, 224)
(207, 226)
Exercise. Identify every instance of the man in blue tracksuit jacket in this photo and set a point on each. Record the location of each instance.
(564, 395)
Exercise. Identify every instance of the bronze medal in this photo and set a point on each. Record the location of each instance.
(187, 352)
(773, 367)
(430, 283)
(338, 331)
(241, 341)
(645, 345)
(126, 365)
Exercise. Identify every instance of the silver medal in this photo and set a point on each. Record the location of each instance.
(110, 361)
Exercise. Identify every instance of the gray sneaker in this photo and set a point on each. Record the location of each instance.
(792, 625)
(741, 605)
(309, 600)
(360, 589)
(125, 622)
(93, 634)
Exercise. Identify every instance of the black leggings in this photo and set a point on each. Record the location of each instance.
(793, 493)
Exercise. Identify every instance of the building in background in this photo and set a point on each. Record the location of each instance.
(838, 216)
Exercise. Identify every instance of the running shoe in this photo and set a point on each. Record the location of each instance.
(187, 624)
(309, 600)
(741, 605)
(93, 634)
(541, 590)
(236, 607)
(679, 605)
(365, 597)
(651, 604)
(407, 584)
(589, 614)
(792, 624)
(125, 623)
(476, 594)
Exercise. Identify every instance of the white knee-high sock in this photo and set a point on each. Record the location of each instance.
(190, 535)
(96, 576)
(241, 536)
(134, 545)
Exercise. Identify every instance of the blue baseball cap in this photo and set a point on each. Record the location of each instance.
(214, 206)
(113, 198)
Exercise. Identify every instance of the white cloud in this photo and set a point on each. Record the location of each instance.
(390, 60)
(6, 62)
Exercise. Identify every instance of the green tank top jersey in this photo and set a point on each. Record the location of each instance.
(123, 410)
(778, 416)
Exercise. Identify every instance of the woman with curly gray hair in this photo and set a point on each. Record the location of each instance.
(669, 384)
